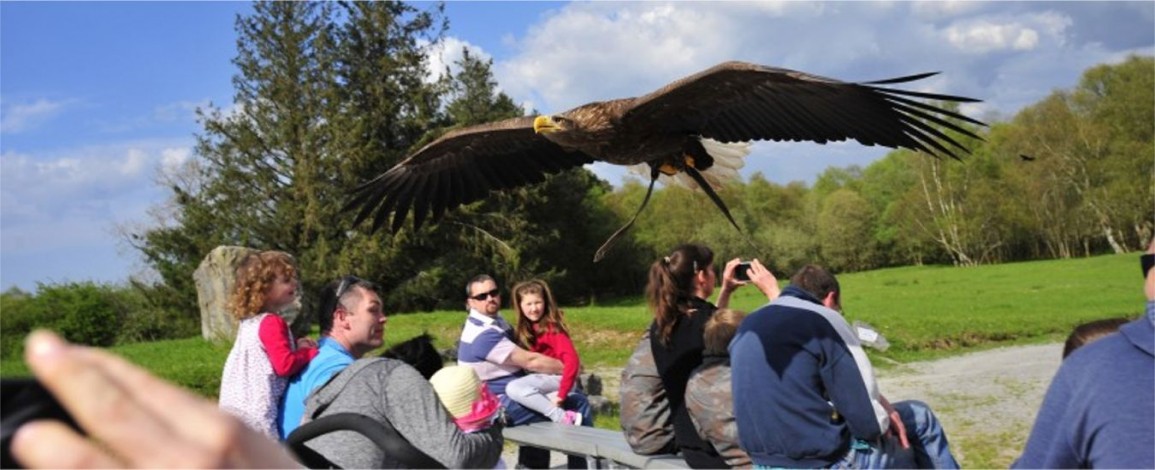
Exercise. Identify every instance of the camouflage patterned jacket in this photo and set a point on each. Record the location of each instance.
(711, 408)
(645, 412)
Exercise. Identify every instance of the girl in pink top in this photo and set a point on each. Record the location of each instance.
(541, 329)
(264, 355)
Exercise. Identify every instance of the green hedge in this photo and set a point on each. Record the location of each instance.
(87, 313)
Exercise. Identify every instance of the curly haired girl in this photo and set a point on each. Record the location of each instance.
(264, 355)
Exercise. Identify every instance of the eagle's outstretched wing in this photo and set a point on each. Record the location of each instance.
(462, 166)
(739, 101)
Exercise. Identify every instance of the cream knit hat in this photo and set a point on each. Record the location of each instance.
(457, 387)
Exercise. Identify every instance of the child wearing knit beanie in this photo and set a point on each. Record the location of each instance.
(467, 399)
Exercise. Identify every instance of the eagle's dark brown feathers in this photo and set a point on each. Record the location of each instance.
(447, 173)
(730, 102)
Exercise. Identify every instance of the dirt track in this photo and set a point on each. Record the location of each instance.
(986, 400)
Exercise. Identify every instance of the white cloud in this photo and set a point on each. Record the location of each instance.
(172, 159)
(944, 9)
(992, 33)
(16, 118)
(981, 37)
(43, 198)
(444, 55)
(565, 60)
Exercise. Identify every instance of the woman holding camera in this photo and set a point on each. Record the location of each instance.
(677, 292)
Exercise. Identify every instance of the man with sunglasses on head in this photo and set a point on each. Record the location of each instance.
(487, 346)
(352, 323)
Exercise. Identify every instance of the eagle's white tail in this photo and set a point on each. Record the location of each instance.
(728, 159)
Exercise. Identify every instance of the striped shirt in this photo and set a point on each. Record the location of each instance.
(486, 343)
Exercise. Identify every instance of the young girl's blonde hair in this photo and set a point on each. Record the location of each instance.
(552, 320)
(254, 276)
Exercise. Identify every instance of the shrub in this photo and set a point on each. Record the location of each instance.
(83, 313)
(16, 320)
(145, 320)
(89, 313)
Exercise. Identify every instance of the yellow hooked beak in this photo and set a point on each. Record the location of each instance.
(544, 123)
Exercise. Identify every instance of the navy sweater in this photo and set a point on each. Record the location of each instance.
(1100, 409)
(802, 384)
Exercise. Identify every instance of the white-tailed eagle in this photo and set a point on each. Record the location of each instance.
(678, 129)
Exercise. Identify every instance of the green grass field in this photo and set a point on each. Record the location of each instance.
(925, 313)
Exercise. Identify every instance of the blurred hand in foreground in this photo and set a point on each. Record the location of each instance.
(133, 418)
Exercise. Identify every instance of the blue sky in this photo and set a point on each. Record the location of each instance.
(97, 99)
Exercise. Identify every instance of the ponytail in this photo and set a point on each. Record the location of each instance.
(671, 285)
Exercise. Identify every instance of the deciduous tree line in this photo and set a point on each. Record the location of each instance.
(328, 95)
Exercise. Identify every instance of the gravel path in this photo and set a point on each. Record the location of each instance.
(986, 400)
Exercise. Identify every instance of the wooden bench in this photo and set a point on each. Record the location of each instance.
(602, 448)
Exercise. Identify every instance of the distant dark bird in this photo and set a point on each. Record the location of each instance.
(689, 126)
(1026, 158)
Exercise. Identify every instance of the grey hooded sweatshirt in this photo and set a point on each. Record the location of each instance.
(390, 389)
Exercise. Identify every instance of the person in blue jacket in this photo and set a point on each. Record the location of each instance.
(805, 394)
(1099, 411)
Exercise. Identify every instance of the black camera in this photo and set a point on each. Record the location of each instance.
(24, 400)
(742, 271)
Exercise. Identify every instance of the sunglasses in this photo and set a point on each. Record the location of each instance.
(346, 283)
(1147, 261)
(486, 295)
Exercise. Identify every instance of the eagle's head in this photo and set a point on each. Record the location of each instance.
(585, 127)
(547, 124)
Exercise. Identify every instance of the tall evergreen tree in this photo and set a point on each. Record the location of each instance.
(325, 94)
(245, 189)
(383, 103)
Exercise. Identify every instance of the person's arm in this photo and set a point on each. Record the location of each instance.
(571, 364)
(729, 284)
(850, 394)
(534, 362)
(286, 361)
(761, 277)
(133, 418)
(897, 427)
(418, 415)
(505, 352)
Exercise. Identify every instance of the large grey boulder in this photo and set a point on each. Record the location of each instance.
(215, 279)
